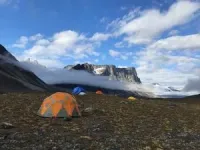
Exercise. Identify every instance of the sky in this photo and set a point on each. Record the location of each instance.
(160, 38)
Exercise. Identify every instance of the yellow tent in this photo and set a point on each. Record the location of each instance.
(131, 98)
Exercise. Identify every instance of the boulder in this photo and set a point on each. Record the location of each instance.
(6, 125)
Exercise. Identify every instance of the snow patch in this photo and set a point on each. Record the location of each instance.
(99, 71)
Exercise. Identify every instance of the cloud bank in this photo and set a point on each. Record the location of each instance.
(193, 84)
(61, 76)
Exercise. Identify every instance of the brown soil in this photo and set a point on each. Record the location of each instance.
(116, 124)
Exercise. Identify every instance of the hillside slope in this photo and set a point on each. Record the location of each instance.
(16, 78)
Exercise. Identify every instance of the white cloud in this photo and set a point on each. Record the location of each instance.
(173, 32)
(124, 57)
(189, 42)
(49, 63)
(123, 8)
(165, 77)
(114, 53)
(82, 62)
(103, 20)
(21, 43)
(120, 22)
(62, 44)
(144, 28)
(151, 60)
(43, 42)
(24, 40)
(122, 66)
(121, 55)
(193, 84)
(36, 37)
(157, 62)
(119, 45)
(98, 37)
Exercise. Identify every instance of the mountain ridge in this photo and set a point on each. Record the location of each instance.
(15, 78)
(114, 73)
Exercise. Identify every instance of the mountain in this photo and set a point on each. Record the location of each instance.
(165, 88)
(34, 62)
(114, 73)
(6, 54)
(15, 78)
(194, 96)
(173, 89)
(156, 84)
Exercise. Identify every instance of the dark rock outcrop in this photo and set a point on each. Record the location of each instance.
(5, 53)
(15, 78)
(114, 73)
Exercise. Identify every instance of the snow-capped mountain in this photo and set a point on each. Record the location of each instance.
(166, 91)
(165, 88)
(34, 62)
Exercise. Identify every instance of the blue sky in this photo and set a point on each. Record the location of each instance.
(159, 36)
(33, 16)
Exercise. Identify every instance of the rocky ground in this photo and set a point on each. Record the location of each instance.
(112, 123)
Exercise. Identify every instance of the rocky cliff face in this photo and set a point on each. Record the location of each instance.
(114, 73)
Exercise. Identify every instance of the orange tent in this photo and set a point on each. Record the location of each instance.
(59, 105)
(99, 92)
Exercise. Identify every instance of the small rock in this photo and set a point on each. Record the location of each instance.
(88, 111)
(54, 148)
(6, 125)
(171, 105)
(96, 129)
(67, 118)
(3, 137)
(123, 102)
(75, 129)
(99, 111)
(40, 146)
(182, 134)
(86, 137)
(147, 148)
(45, 125)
